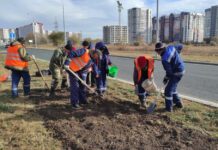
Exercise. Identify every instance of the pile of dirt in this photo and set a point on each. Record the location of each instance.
(110, 123)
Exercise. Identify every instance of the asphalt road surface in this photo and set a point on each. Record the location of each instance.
(200, 80)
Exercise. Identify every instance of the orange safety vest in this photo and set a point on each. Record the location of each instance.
(13, 57)
(150, 67)
(78, 63)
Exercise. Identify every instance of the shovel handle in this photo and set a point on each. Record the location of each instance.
(71, 71)
(37, 66)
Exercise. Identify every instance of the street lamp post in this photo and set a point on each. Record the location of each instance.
(34, 32)
(120, 7)
(65, 40)
(157, 25)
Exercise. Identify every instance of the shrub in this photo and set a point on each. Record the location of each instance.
(213, 43)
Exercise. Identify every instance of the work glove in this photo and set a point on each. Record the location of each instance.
(33, 57)
(165, 80)
(66, 67)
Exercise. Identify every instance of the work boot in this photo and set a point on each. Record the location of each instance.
(76, 106)
(64, 84)
(178, 105)
(143, 103)
(52, 94)
(169, 110)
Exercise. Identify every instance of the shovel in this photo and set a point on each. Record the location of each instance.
(34, 60)
(152, 106)
(92, 90)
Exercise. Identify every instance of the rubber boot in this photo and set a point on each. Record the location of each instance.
(143, 103)
(64, 84)
(52, 93)
(76, 106)
(179, 105)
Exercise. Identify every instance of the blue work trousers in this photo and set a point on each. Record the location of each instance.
(171, 95)
(77, 89)
(16, 75)
(101, 82)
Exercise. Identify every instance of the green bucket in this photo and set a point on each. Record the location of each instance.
(113, 70)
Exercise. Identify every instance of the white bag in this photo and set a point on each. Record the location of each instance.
(149, 85)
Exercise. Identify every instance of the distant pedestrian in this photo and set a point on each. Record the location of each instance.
(174, 67)
(17, 61)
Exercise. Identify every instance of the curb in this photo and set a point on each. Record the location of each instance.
(190, 62)
(193, 99)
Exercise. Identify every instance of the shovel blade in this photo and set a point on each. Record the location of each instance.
(151, 108)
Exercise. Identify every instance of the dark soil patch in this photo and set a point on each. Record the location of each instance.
(110, 123)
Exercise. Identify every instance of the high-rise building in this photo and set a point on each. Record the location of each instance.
(140, 25)
(164, 28)
(154, 28)
(211, 22)
(111, 34)
(174, 27)
(182, 27)
(26, 30)
(192, 27)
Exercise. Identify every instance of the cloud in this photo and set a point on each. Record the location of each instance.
(88, 16)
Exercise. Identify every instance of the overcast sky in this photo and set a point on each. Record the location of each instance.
(87, 16)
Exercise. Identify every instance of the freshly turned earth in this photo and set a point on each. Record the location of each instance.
(109, 123)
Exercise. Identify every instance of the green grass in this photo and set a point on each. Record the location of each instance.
(193, 115)
(6, 107)
(20, 126)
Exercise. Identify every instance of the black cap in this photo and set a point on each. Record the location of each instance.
(21, 40)
(85, 43)
(159, 46)
(68, 47)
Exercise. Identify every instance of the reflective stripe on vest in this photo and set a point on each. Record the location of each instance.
(13, 58)
(150, 67)
(78, 63)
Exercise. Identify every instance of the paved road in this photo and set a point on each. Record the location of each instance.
(200, 81)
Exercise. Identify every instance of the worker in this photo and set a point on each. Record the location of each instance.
(56, 67)
(17, 61)
(79, 61)
(97, 72)
(70, 42)
(174, 67)
(143, 69)
(105, 63)
(90, 80)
